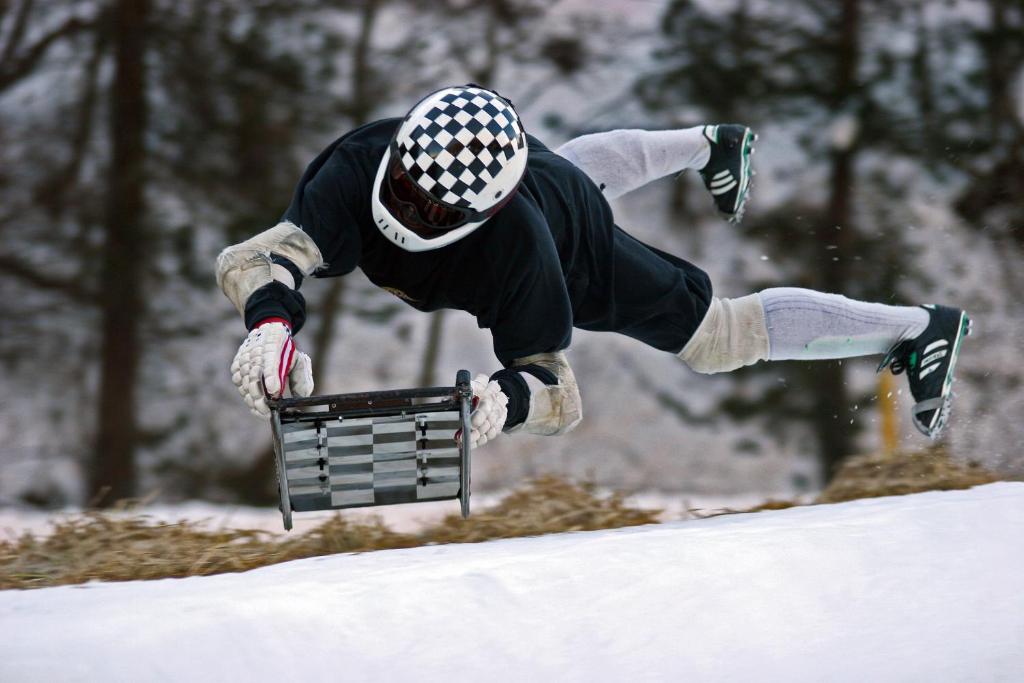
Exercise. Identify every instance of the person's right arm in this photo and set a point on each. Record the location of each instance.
(261, 277)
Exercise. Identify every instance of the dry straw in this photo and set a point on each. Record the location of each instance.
(104, 547)
(878, 474)
(874, 475)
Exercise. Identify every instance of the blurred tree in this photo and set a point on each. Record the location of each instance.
(137, 139)
(120, 300)
(26, 43)
(115, 292)
(975, 135)
(205, 106)
(985, 129)
(363, 99)
(831, 70)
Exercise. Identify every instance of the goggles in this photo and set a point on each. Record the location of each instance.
(418, 210)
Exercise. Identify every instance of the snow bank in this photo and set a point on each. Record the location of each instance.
(921, 587)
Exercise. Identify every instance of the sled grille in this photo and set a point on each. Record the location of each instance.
(372, 461)
(376, 448)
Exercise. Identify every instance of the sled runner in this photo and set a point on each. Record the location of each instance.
(374, 448)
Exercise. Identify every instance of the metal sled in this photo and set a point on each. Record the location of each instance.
(374, 448)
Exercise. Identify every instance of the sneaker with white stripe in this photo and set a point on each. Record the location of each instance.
(929, 361)
(728, 172)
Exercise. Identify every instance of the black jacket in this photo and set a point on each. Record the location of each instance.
(551, 259)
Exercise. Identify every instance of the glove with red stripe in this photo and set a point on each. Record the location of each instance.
(267, 363)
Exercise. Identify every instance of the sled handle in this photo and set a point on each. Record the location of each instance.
(464, 395)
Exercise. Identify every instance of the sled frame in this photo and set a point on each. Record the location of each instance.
(375, 448)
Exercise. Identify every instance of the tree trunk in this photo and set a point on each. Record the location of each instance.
(359, 109)
(998, 73)
(113, 475)
(832, 407)
(329, 313)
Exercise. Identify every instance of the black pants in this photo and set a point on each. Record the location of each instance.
(648, 294)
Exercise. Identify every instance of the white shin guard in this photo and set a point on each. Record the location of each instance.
(733, 334)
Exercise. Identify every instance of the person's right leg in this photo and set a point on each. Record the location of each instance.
(620, 161)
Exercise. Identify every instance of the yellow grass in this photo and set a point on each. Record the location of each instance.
(874, 475)
(877, 474)
(98, 546)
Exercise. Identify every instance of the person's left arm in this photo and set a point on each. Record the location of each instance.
(531, 325)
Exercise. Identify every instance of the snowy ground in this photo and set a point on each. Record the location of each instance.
(914, 588)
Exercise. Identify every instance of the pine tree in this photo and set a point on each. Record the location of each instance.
(827, 68)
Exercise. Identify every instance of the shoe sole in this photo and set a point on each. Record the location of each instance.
(941, 416)
(746, 173)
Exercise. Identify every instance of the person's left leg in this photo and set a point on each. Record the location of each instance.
(807, 325)
(667, 303)
(789, 323)
(645, 293)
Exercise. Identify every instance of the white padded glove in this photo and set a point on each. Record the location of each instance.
(490, 406)
(267, 363)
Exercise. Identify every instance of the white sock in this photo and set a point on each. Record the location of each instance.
(807, 325)
(620, 161)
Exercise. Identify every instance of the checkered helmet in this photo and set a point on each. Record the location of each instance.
(454, 161)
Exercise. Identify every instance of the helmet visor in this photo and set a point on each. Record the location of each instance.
(416, 208)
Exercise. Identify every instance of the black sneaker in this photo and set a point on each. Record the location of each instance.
(727, 173)
(929, 360)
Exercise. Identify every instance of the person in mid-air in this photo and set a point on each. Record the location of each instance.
(456, 206)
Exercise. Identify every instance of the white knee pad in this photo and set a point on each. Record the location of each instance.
(554, 409)
(732, 334)
(245, 267)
